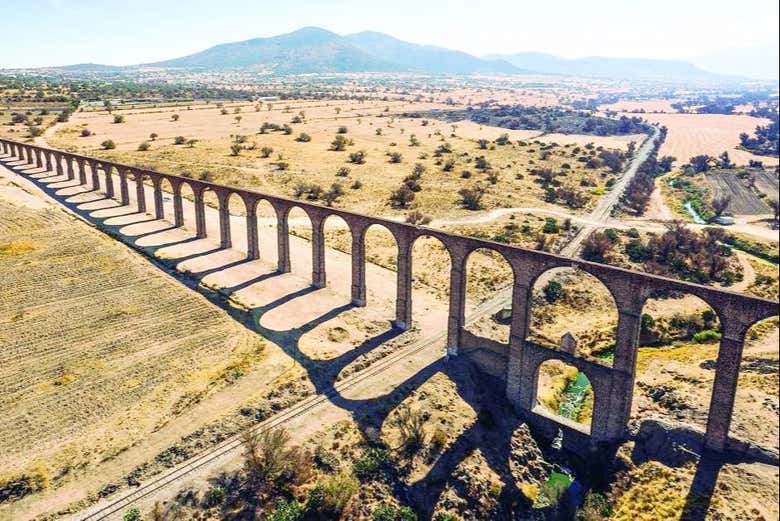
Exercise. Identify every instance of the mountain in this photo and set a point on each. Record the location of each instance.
(618, 68)
(426, 58)
(307, 50)
(759, 62)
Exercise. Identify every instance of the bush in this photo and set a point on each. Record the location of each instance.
(388, 513)
(411, 424)
(85, 132)
(331, 495)
(341, 130)
(119, 119)
(36, 131)
(334, 194)
(395, 157)
(402, 197)
(707, 336)
(286, 511)
(471, 198)
(214, 496)
(371, 465)
(303, 137)
(179, 140)
(342, 171)
(550, 226)
(357, 158)
(108, 144)
(417, 218)
(143, 147)
(338, 144)
(132, 514)
(235, 149)
(266, 152)
(553, 291)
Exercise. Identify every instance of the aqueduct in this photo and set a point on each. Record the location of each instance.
(516, 363)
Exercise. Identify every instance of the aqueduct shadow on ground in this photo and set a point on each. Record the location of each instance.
(493, 438)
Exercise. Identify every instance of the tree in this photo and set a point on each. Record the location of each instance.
(483, 144)
(153, 136)
(775, 206)
(719, 205)
(413, 141)
(596, 247)
(358, 158)
(471, 198)
(553, 291)
(725, 160)
(333, 194)
(339, 143)
(402, 197)
(175, 117)
(700, 163)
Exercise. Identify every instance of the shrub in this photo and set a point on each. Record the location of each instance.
(119, 119)
(333, 194)
(417, 218)
(402, 197)
(411, 424)
(343, 171)
(341, 130)
(143, 147)
(338, 144)
(36, 131)
(331, 495)
(235, 149)
(389, 513)
(371, 465)
(108, 144)
(85, 132)
(550, 226)
(395, 157)
(553, 291)
(706, 336)
(471, 198)
(266, 152)
(214, 496)
(286, 511)
(132, 514)
(179, 140)
(596, 247)
(358, 158)
(153, 136)
(356, 185)
(303, 137)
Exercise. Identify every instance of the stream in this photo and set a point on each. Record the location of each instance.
(574, 397)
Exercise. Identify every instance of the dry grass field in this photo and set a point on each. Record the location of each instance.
(694, 134)
(99, 348)
(373, 127)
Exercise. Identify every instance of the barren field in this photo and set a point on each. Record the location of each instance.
(743, 200)
(372, 127)
(693, 134)
(99, 348)
(650, 105)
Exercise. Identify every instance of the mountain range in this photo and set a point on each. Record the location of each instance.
(316, 50)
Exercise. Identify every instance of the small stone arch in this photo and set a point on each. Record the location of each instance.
(487, 271)
(429, 283)
(565, 393)
(558, 296)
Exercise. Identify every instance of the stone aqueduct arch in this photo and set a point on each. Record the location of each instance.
(517, 362)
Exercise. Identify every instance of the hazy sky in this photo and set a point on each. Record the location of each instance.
(59, 32)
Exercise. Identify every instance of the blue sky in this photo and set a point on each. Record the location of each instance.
(58, 32)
